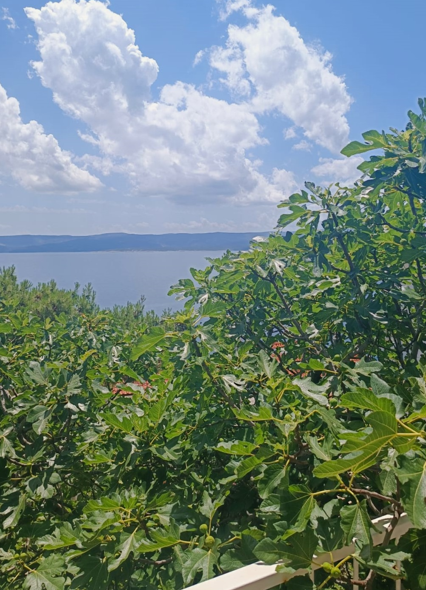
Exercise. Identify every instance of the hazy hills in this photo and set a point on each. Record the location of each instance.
(122, 241)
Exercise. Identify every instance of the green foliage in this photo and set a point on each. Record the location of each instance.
(45, 300)
(273, 418)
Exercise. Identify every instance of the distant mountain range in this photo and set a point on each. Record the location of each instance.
(123, 242)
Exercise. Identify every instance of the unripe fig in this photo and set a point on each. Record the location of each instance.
(327, 567)
(335, 572)
(209, 542)
(204, 528)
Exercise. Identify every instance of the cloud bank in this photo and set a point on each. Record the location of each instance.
(343, 170)
(33, 158)
(187, 145)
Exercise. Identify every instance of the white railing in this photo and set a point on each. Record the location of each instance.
(259, 576)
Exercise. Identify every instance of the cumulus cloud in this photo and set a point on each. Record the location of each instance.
(185, 145)
(10, 21)
(343, 170)
(303, 146)
(91, 62)
(33, 158)
(268, 61)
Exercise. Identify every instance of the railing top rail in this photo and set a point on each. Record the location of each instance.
(259, 576)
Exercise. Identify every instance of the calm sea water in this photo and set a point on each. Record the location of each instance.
(117, 277)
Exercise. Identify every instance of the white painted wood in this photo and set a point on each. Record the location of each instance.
(356, 573)
(253, 577)
(259, 576)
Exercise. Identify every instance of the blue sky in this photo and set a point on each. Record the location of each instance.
(153, 116)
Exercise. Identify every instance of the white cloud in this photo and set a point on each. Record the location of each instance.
(33, 158)
(269, 61)
(284, 180)
(186, 145)
(85, 42)
(340, 170)
(11, 24)
(230, 6)
(303, 146)
(199, 57)
(290, 133)
(230, 61)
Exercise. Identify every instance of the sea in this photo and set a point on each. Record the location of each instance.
(117, 277)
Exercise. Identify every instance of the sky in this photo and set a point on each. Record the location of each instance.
(158, 116)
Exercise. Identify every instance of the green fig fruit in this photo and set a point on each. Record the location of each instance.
(209, 542)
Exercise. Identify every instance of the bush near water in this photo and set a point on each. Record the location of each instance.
(272, 419)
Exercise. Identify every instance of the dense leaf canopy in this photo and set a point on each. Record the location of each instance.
(273, 418)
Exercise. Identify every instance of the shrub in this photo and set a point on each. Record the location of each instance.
(284, 408)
